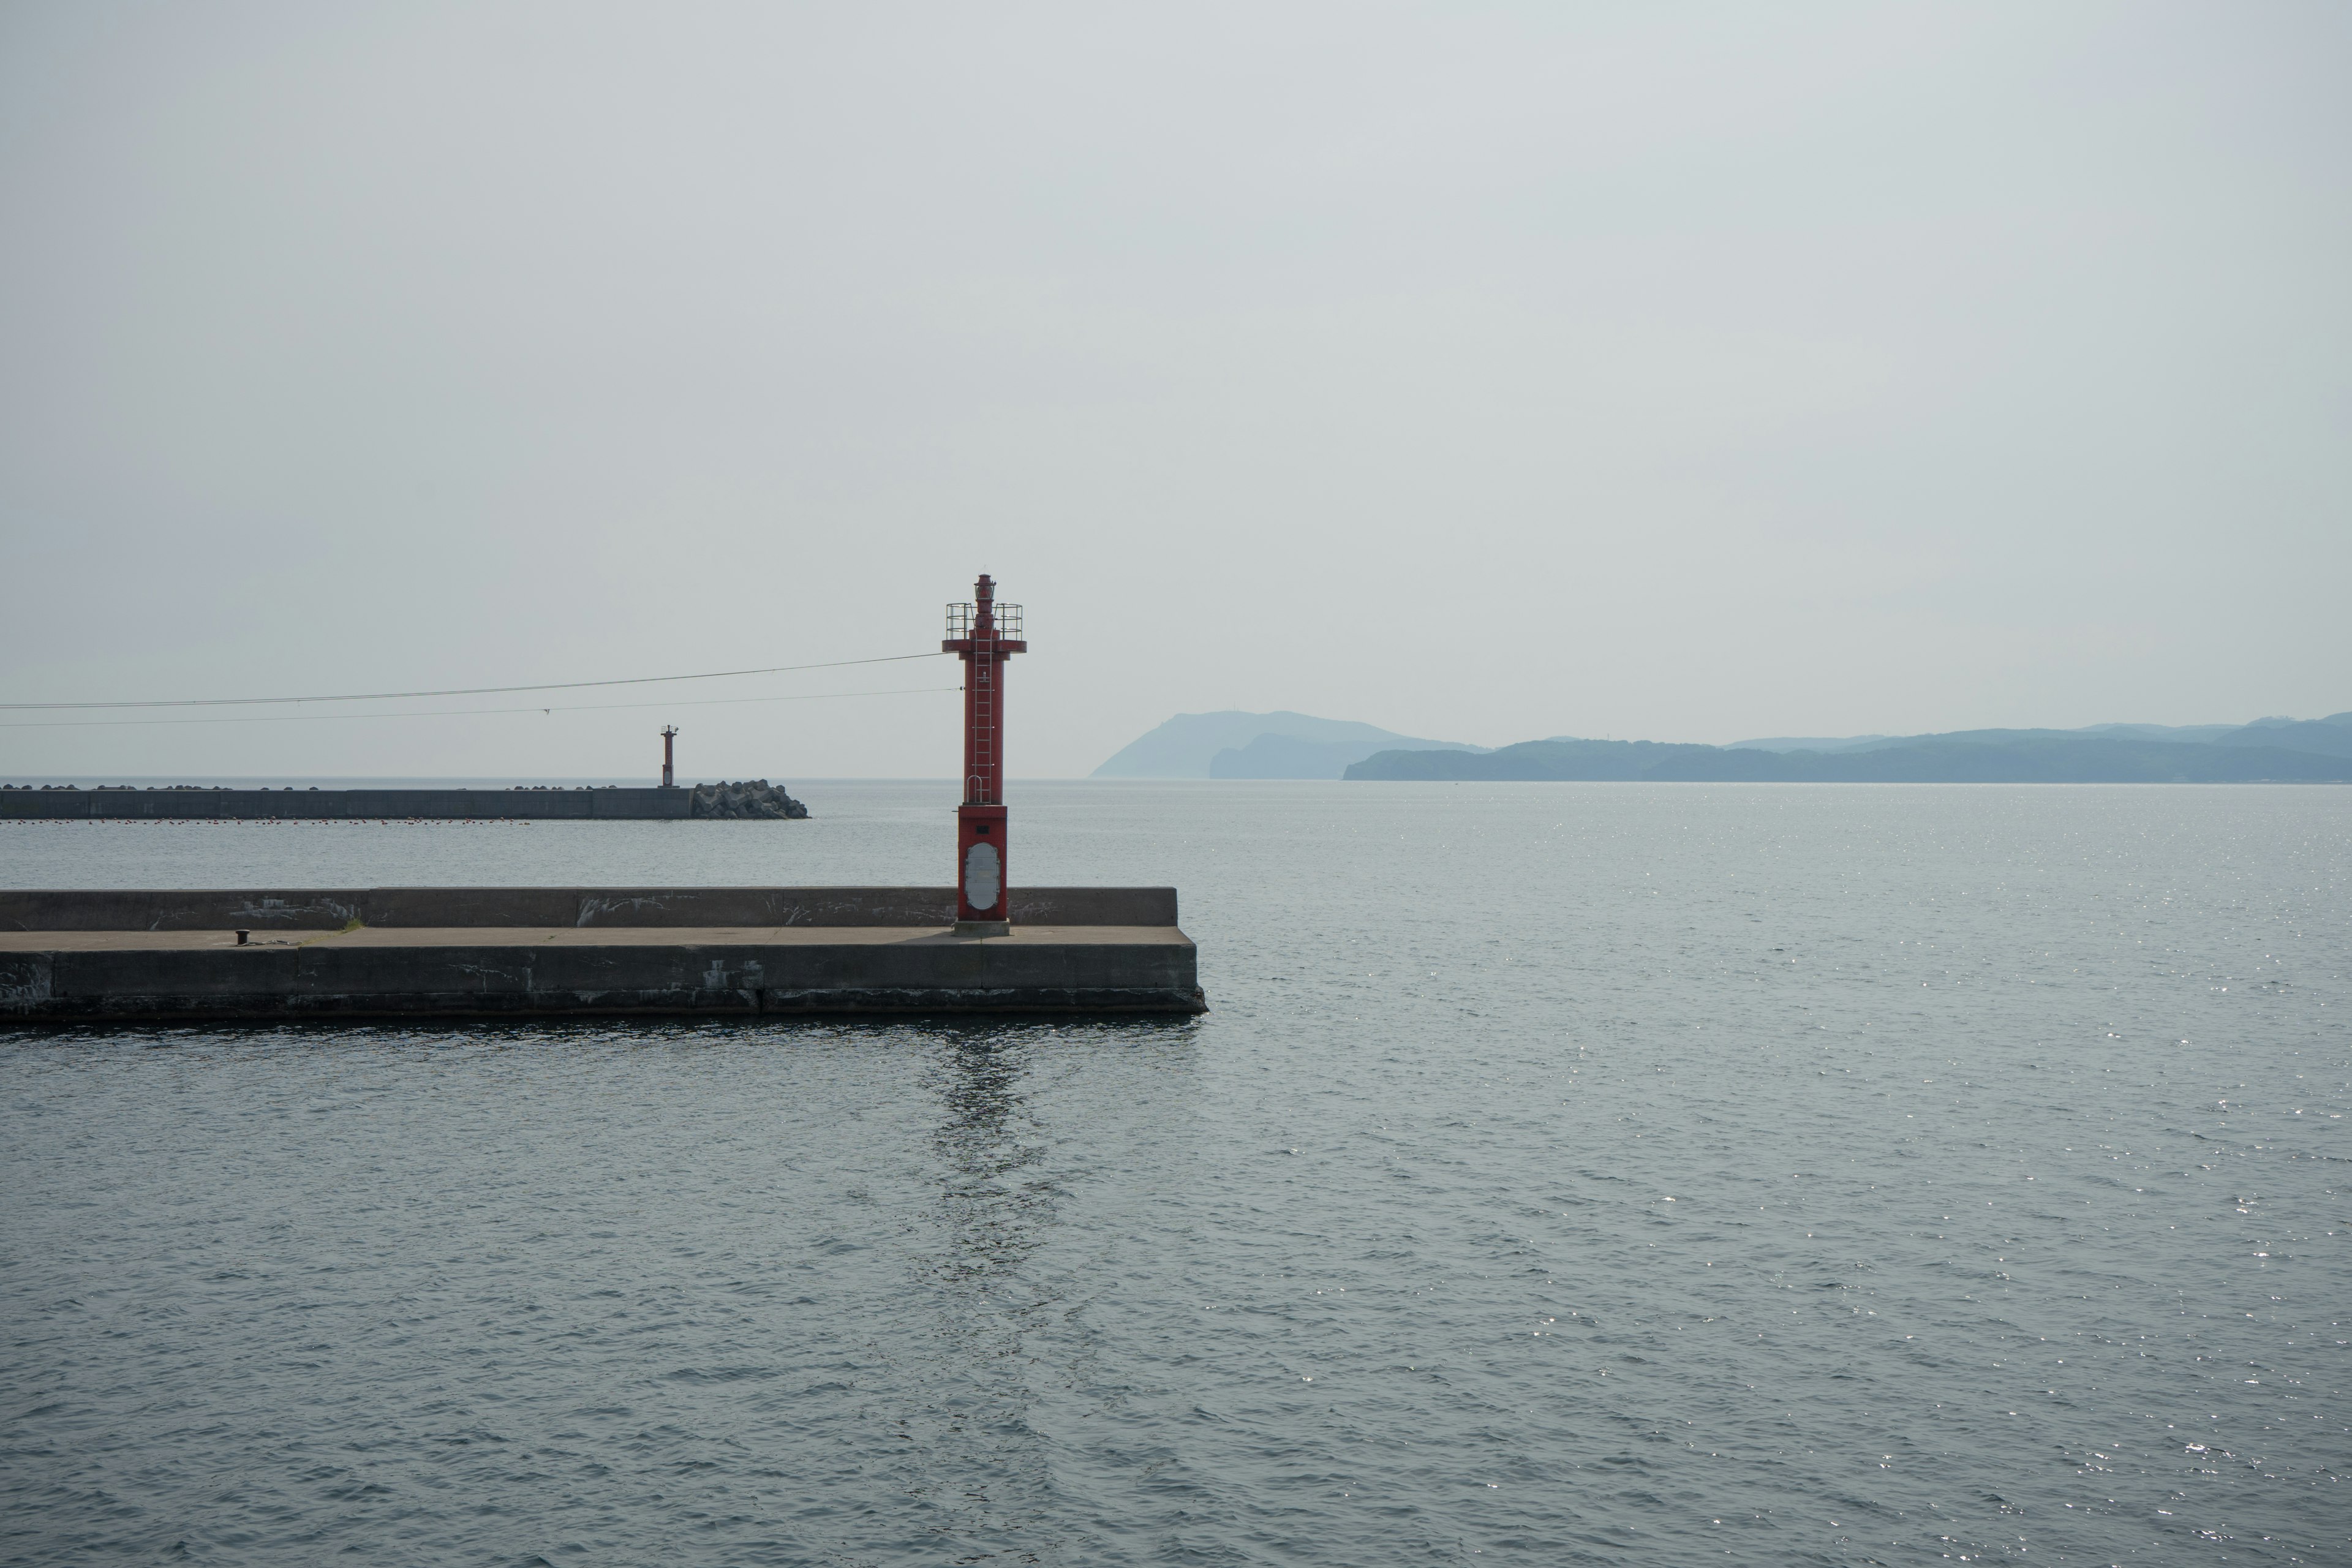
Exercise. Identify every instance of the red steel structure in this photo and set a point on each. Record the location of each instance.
(986, 634)
(669, 774)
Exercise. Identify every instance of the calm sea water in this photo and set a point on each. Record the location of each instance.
(1567, 1173)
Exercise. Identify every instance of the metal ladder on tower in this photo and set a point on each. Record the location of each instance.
(983, 713)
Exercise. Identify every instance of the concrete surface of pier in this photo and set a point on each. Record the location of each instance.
(143, 956)
(121, 804)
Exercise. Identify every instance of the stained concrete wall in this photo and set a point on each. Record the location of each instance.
(1155, 972)
(329, 909)
(253, 804)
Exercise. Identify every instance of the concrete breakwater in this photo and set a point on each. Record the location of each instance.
(754, 800)
(525, 953)
(25, 909)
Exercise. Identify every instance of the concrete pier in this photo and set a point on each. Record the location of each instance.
(122, 804)
(537, 952)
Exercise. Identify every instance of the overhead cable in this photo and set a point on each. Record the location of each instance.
(459, 712)
(465, 690)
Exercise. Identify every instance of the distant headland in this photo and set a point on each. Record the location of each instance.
(1284, 745)
(1236, 745)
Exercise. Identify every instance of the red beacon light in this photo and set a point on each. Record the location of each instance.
(985, 634)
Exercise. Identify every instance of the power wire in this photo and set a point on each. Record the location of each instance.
(465, 690)
(449, 712)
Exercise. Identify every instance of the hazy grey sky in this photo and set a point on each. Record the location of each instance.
(1483, 371)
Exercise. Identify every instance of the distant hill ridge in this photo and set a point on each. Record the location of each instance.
(1233, 744)
(2267, 750)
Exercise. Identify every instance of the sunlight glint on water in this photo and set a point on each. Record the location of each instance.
(1566, 1172)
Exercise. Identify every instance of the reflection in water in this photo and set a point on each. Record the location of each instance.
(995, 1198)
(976, 1471)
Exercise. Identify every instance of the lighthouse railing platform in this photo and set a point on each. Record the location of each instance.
(963, 617)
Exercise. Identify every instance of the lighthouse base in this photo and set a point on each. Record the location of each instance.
(541, 952)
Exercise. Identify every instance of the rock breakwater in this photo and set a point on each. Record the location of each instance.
(753, 800)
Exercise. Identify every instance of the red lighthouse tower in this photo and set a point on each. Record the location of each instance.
(986, 634)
